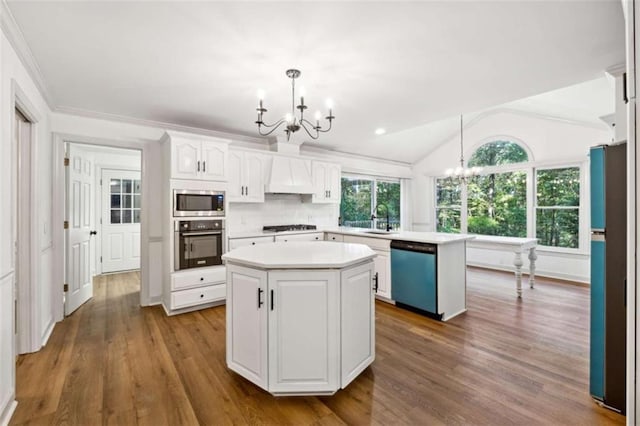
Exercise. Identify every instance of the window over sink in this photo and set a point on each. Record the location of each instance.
(366, 202)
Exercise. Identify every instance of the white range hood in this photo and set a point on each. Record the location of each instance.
(288, 173)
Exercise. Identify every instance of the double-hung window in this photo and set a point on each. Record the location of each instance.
(367, 202)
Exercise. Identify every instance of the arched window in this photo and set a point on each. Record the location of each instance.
(497, 153)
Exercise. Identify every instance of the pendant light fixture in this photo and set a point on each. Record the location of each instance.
(294, 122)
(461, 174)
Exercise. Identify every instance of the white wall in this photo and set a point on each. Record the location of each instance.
(550, 141)
(14, 78)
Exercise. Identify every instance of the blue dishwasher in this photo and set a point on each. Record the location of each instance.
(414, 276)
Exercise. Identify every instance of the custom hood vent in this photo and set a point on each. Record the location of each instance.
(289, 175)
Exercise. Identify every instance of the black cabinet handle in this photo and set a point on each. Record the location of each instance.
(201, 278)
(375, 280)
(253, 243)
(93, 232)
(260, 302)
(204, 166)
(272, 300)
(201, 296)
(198, 166)
(246, 190)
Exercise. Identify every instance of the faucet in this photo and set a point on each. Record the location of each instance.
(373, 215)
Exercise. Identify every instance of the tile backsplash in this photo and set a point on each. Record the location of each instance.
(280, 209)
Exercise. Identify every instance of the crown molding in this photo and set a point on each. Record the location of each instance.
(530, 114)
(617, 70)
(158, 124)
(13, 33)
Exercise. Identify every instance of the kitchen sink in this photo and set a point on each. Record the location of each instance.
(379, 231)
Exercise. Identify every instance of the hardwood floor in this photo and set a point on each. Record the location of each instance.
(505, 361)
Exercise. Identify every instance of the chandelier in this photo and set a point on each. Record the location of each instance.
(292, 122)
(461, 174)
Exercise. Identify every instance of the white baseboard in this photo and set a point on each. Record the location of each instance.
(539, 272)
(47, 333)
(5, 415)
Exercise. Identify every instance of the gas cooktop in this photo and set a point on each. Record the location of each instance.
(283, 228)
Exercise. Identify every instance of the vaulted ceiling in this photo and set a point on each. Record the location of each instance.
(397, 65)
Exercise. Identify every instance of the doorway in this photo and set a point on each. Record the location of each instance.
(103, 189)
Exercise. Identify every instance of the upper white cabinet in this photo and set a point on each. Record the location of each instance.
(246, 177)
(326, 180)
(197, 157)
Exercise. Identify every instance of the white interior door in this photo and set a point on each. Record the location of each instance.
(79, 199)
(120, 220)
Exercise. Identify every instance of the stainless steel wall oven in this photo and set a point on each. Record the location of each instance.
(198, 243)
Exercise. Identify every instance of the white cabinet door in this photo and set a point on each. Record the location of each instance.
(358, 321)
(382, 268)
(184, 159)
(333, 184)
(235, 189)
(247, 323)
(213, 161)
(319, 173)
(254, 177)
(304, 331)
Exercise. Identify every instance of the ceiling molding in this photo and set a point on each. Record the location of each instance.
(307, 149)
(617, 70)
(531, 114)
(16, 39)
(158, 124)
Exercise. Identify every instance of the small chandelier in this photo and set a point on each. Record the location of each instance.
(461, 174)
(293, 122)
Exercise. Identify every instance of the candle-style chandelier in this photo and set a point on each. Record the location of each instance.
(293, 122)
(461, 174)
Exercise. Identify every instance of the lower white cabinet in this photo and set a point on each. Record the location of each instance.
(304, 331)
(195, 287)
(334, 237)
(314, 236)
(7, 357)
(382, 262)
(234, 243)
(289, 332)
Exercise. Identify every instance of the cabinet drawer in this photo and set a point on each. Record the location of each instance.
(198, 296)
(241, 242)
(198, 277)
(374, 243)
(316, 236)
(334, 237)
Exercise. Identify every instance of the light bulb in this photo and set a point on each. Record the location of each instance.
(303, 91)
(329, 103)
(318, 115)
(467, 172)
(448, 172)
(260, 94)
(458, 171)
(380, 131)
(288, 117)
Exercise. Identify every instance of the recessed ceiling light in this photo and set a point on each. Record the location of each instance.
(380, 131)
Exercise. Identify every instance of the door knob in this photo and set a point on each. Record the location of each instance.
(93, 232)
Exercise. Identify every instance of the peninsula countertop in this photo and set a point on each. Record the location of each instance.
(301, 255)
(419, 237)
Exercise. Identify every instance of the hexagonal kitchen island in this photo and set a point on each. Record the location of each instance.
(300, 315)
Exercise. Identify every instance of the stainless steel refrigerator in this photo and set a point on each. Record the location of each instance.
(607, 379)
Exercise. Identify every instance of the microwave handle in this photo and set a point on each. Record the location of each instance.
(189, 234)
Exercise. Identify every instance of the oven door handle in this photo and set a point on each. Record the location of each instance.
(189, 234)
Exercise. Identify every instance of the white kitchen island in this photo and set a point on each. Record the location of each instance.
(300, 315)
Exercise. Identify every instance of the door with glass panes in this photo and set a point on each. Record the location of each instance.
(120, 219)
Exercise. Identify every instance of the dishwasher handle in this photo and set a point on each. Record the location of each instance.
(414, 246)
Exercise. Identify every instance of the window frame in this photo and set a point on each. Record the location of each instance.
(374, 194)
(530, 168)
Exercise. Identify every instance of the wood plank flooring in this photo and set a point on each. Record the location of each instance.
(505, 361)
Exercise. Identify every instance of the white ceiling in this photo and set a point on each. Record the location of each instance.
(398, 65)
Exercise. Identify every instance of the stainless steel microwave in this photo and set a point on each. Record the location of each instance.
(194, 203)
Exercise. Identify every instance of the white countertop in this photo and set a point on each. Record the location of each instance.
(486, 240)
(301, 255)
(418, 237)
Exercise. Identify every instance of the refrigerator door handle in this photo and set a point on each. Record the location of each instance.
(597, 235)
